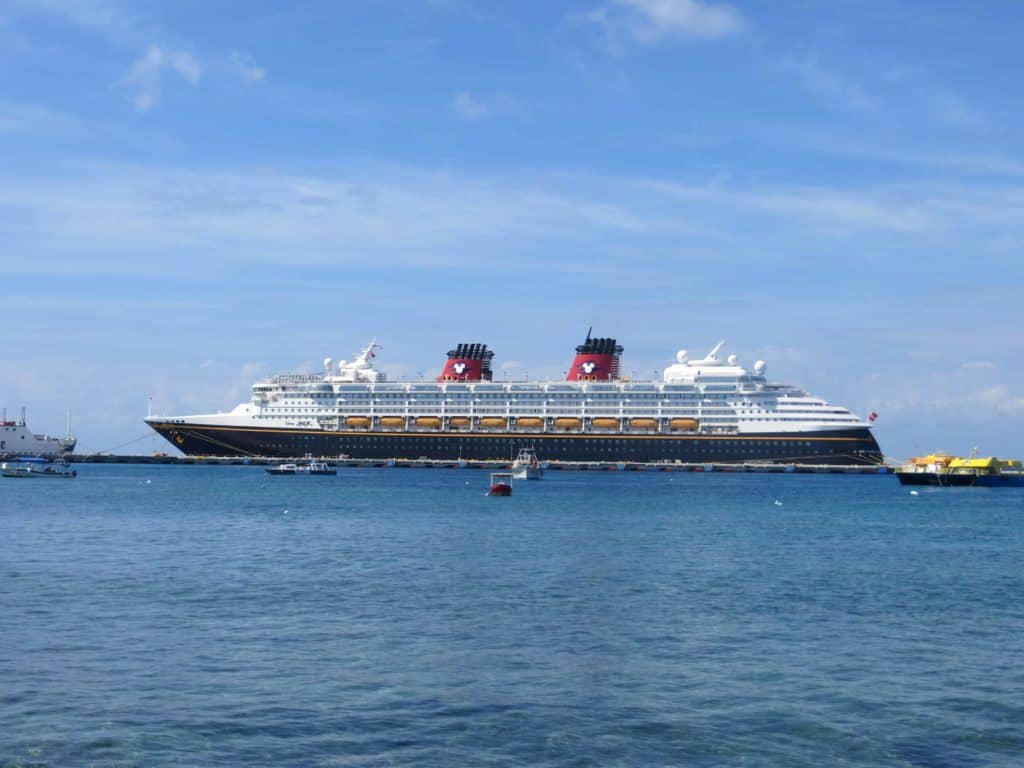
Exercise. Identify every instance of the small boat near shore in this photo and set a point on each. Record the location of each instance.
(940, 469)
(308, 467)
(527, 466)
(501, 484)
(34, 467)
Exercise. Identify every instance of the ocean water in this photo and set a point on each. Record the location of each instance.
(215, 616)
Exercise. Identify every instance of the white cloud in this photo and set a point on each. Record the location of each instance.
(829, 85)
(34, 120)
(185, 65)
(956, 111)
(999, 399)
(145, 74)
(93, 14)
(468, 108)
(246, 67)
(410, 215)
(649, 21)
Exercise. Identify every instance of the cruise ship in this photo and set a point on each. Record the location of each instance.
(705, 409)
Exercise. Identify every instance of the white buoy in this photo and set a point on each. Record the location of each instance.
(778, 503)
(913, 493)
(286, 511)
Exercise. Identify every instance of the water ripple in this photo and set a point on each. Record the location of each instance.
(598, 619)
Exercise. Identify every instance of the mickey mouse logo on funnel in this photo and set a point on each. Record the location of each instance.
(597, 359)
(468, 362)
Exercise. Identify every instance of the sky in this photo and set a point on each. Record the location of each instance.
(197, 194)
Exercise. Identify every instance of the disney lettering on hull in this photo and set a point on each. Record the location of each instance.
(703, 409)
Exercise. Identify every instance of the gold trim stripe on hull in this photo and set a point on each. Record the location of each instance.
(517, 435)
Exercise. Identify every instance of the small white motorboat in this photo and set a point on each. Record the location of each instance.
(37, 468)
(527, 466)
(309, 467)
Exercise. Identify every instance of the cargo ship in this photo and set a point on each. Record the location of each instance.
(705, 409)
(16, 439)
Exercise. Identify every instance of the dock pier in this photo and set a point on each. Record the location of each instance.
(576, 466)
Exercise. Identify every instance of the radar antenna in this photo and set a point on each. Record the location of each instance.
(368, 351)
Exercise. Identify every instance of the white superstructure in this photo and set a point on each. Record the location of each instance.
(706, 396)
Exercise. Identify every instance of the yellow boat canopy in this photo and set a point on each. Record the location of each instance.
(934, 458)
(989, 462)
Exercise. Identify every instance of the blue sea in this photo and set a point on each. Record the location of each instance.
(216, 616)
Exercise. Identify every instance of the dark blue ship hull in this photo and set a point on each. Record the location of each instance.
(961, 480)
(843, 447)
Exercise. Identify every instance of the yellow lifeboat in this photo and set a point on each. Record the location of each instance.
(643, 423)
(493, 422)
(566, 423)
(428, 422)
(458, 421)
(601, 423)
(358, 422)
(392, 421)
(688, 425)
(530, 422)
